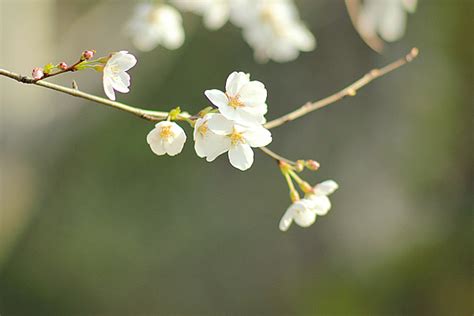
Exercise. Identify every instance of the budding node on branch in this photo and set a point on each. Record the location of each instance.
(62, 66)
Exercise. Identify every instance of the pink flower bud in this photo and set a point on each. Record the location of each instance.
(299, 166)
(37, 73)
(63, 66)
(88, 54)
(312, 165)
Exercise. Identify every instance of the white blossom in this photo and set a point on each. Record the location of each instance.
(214, 12)
(152, 25)
(274, 29)
(301, 212)
(238, 141)
(207, 143)
(115, 76)
(166, 138)
(243, 101)
(305, 211)
(384, 17)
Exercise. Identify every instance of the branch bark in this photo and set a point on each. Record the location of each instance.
(348, 91)
(145, 114)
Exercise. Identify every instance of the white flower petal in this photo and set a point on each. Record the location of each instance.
(241, 156)
(108, 89)
(392, 26)
(235, 82)
(304, 218)
(321, 204)
(253, 94)
(220, 125)
(121, 82)
(217, 15)
(217, 97)
(325, 188)
(258, 136)
(287, 219)
(156, 144)
(123, 60)
(176, 146)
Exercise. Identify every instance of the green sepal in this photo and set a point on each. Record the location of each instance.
(48, 68)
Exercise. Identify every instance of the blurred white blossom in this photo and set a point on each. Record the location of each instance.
(238, 140)
(305, 211)
(214, 12)
(152, 25)
(166, 138)
(243, 101)
(115, 76)
(274, 29)
(384, 17)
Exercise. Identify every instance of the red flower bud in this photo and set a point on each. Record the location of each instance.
(62, 66)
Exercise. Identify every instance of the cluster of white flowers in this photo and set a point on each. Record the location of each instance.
(272, 28)
(384, 17)
(155, 24)
(305, 211)
(235, 127)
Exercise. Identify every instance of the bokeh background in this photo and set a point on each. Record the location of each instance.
(91, 222)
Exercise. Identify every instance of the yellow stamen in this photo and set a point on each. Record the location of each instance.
(166, 132)
(234, 101)
(236, 138)
(203, 129)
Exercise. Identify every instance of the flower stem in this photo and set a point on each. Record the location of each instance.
(276, 156)
(304, 186)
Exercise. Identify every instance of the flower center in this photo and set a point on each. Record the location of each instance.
(234, 101)
(114, 69)
(236, 138)
(166, 132)
(203, 129)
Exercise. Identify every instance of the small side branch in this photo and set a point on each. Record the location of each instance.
(348, 91)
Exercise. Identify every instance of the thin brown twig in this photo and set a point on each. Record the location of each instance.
(145, 114)
(276, 156)
(348, 91)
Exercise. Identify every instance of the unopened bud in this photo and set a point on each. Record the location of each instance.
(62, 66)
(37, 73)
(312, 165)
(299, 166)
(88, 54)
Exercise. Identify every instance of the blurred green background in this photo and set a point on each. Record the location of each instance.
(92, 222)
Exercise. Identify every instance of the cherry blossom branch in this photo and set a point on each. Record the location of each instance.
(348, 91)
(145, 114)
(275, 156)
